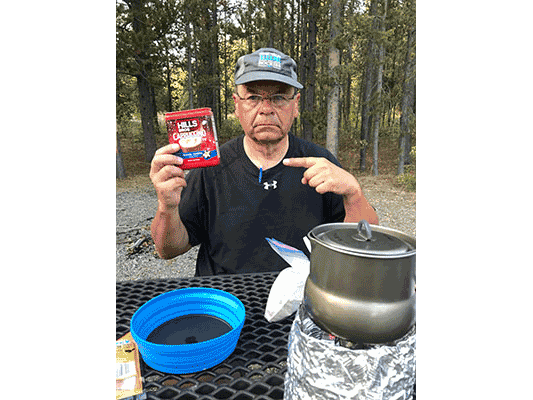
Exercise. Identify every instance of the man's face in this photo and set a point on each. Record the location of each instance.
(265, 122)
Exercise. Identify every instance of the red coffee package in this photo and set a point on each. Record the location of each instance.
(195, 132)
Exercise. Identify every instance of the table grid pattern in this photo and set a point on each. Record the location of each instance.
(255, 370)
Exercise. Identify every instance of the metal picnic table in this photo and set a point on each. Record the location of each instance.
(255, 370)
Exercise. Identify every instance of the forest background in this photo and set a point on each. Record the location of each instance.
(473, 112)
(356, 61)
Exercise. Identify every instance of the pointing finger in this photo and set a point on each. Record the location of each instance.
(306, 162)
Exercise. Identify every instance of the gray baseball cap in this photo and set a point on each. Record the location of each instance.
(266, 65)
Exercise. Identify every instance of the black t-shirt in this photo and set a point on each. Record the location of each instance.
(230, 213)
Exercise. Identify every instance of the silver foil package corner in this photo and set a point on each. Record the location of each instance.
(319, 366)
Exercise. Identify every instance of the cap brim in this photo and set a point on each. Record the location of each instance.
(267, 76)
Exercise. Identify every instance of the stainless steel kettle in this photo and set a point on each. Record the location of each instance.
(361, 285)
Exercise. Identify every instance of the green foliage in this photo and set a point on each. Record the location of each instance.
(127, 98)
(215, 34)
(131, 129)
(392, 131)
(408, 179)
(230, 128)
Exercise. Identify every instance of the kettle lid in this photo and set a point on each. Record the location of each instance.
(361, 239)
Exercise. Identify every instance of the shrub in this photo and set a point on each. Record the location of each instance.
(412, 153)
(230, 128)
(408, 179)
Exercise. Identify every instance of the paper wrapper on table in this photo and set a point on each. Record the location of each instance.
(320, 367)
(287, 291)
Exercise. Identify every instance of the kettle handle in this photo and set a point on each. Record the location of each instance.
(363, 230)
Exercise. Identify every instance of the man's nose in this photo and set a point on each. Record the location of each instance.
(266, 106)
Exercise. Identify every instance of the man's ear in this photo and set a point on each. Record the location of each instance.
(297, 108)
(235, 102)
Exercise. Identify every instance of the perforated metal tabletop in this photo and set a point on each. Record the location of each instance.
(257, 367)
(255, 370)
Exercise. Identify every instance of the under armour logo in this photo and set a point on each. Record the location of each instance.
(273, 185)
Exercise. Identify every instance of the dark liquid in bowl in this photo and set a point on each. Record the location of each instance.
(187, 329)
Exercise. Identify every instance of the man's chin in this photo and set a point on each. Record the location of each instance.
(267, 136)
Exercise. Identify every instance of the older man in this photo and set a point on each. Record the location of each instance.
(269, 184)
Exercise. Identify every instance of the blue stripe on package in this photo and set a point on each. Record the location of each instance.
(287, 290)
(205, 154)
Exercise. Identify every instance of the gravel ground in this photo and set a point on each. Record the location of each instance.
(136, 257)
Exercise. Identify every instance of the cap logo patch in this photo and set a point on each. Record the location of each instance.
(271, 60)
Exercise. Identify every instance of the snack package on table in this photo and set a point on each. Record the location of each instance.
(287, 291)
(128, 369)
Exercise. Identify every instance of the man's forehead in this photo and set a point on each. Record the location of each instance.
(267, 86)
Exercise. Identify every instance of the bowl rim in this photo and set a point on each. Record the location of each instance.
(189, 346)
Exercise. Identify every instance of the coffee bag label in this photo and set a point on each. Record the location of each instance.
(195, 132)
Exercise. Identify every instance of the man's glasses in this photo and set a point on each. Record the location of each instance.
(276, 100)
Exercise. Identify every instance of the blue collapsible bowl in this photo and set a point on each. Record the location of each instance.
(194, 357)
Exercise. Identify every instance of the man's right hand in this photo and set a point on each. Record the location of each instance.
(167, 177)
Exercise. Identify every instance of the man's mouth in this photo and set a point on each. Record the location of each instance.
(265, 124)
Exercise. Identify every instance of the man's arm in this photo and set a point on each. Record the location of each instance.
(170, 235)
(357, 208)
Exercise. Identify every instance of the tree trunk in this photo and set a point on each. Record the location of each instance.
(225, 58)
(377, 114)
(332, 133)
(407, 103)
(366, 108)
(215, 84)
(207, 61)
(393, 100)
(146, 98)
(169, 81)
(189, 64)
(347, 94)
(271, 19)
(249, 27)
(292, 30)
(309, 55)
(302, 73)
(148, 111)
(379, 88)
(121, 171)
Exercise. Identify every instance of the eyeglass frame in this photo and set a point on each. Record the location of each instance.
(269, 98)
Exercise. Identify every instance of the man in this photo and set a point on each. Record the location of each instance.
(269, 184)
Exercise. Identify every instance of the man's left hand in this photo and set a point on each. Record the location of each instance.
(325, 176)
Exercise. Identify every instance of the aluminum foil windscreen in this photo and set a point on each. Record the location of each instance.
(322, 367)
